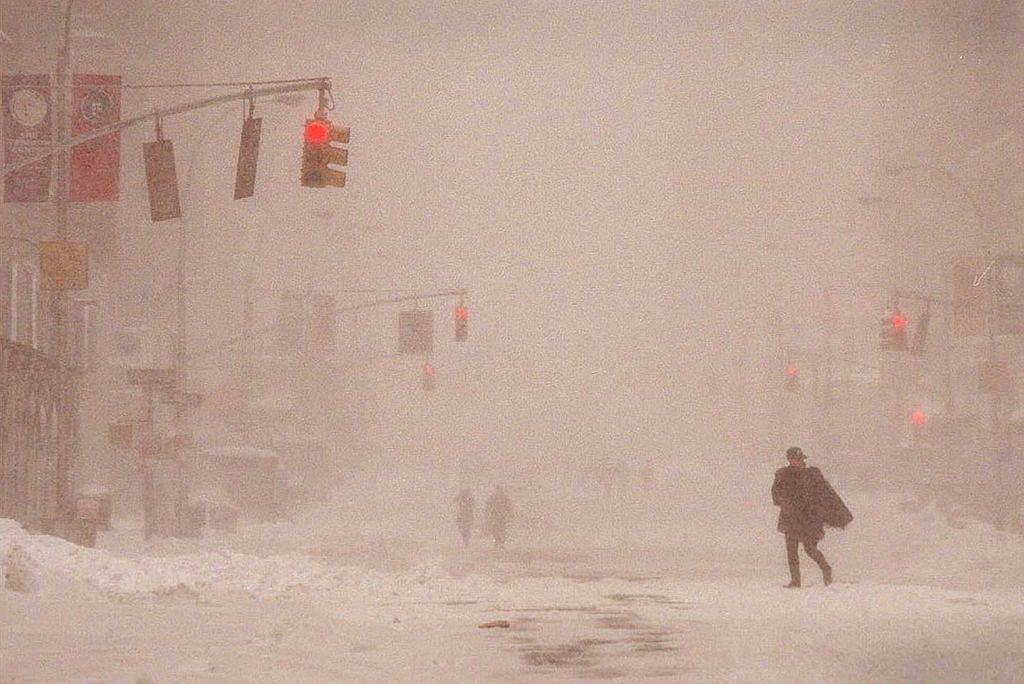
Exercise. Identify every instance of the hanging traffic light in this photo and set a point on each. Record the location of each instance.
(918, 417)
(461, 322)
(319, 154)
(792, 378)
(428, 377)
(894, 331)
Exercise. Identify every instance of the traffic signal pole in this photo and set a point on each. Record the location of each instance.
(319, 84)
(67, 432)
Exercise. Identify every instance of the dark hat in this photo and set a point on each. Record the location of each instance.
(794, 452)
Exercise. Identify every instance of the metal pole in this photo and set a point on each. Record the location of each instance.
(312, 84)
(58, 300)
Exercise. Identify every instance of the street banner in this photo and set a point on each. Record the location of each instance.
(27, 129)
(95, 165)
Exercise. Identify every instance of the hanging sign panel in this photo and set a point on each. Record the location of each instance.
(96, 164)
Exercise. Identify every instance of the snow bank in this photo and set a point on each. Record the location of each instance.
(210, 573)
(222, 571)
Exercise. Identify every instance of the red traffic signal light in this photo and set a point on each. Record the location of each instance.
(428, 377)
(461, 323)
(317, 131)
(918, 417)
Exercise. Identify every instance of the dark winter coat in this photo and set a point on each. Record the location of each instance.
(807, 503)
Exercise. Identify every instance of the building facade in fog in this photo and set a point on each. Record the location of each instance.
(951, 181)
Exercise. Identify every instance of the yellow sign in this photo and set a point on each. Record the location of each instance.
(64, 265)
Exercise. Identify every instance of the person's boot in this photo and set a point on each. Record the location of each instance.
(826, 574)
(793, 584)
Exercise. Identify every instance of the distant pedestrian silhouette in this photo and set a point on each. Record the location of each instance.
(464, 514)
(497, 514)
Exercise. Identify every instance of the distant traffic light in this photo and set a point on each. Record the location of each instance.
(318, 154)
(461, 322)
(428, 377)
(894, 331)
(918, 417)
(792, 378)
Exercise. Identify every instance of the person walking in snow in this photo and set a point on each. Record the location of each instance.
(497, 514)
(464, 514)
(806, 504)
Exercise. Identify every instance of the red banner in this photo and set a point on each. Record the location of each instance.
(27, 125)
(95, 165)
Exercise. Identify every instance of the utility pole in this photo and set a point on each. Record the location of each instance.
(58, 300)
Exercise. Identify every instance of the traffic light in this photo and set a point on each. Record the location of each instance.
(894, 331)
(319, 154)
(461, 322)
(428, 377)
(918, 417)
(792, 378)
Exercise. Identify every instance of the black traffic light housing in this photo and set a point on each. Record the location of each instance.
(319, 154)
(894, 331)
(792, 378)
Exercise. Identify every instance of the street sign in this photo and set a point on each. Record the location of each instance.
(120, 435)
(161, 180)
(150, 376)
(64, 265)
(248, 152)
(149, 446)
(415, 332)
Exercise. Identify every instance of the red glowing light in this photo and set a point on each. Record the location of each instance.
(899, 321)
(316, 131)
(428, 370)
(791, 371)
(461, 312)
(917, 417)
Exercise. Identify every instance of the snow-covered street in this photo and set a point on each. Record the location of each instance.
(214, 610)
